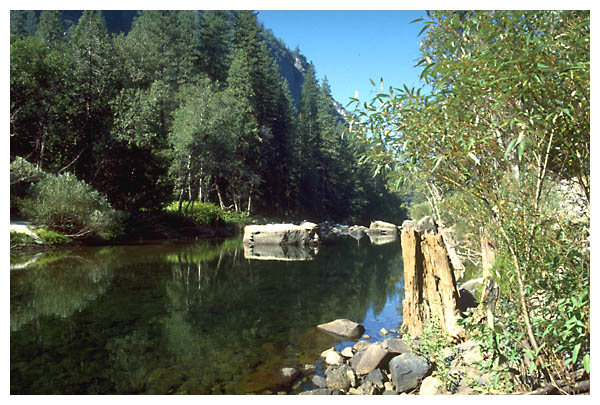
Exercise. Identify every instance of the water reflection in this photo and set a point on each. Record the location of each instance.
(187, 318)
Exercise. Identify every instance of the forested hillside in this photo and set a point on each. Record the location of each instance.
(181, 106)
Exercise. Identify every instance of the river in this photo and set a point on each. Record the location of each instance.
(189, 318)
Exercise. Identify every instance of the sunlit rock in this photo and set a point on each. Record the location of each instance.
(281, 234)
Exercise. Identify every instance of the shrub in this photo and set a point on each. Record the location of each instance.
(70, 206)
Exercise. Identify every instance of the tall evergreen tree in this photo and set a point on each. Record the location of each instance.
(214, 48)
(50, 28)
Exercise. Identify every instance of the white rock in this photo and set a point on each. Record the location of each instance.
(334, 358)
(347, 352)
(384, 331)
(431, 386)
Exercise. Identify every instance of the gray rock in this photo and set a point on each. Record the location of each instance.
(290, 373)
(376, 377)
(408, 370)
(368, 388)
(343, 328)
(371, 358)
(319, 381)
(341, 378)
(426, 224)
(281, 234)
(358, 232)
(395, 346)
(322, 391)
(361, 345)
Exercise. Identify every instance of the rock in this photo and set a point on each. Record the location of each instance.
(370, 359)
(333, 358)
(368, 388)
(289, 375)
(310, 367)
(426, 224)
(322, 391)
(341, 378)
(354, 391)
(431, 386)
(388, 386)
(408, 370)
(361, 345)
(384, 331)
(377, 378)
(389, 392)
(281, 234)
(343, 328)
(470, 352)
(319, 381)
(347, 352)
(395, 346)
(324, 352)
(380, 232)
(357, 232)
(466, 300)
(365, 336)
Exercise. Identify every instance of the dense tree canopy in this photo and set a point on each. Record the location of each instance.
(184, 106)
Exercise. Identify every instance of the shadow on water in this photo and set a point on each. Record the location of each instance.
(195, 318)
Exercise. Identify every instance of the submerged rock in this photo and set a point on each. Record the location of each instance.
(343, 328)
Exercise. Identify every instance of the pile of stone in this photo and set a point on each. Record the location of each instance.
(392, 367)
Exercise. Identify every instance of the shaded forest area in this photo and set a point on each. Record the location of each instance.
(155, 107)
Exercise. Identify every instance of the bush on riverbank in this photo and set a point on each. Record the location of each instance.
(208, 214)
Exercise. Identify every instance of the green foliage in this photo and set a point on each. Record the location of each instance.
(20, 239)
(502, 130)
(67, 205)
(50, 237)
(208, 214)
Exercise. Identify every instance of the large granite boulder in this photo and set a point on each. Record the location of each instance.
(380, 232)
(282, 234)
(343, 328)
(408, 370)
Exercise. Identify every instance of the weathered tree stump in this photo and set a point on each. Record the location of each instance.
(429, 283)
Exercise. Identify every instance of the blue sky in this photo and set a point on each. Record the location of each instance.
(349, 47)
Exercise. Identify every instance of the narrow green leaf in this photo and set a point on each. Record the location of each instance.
(576, 352)
(586, 363)
(372, 82)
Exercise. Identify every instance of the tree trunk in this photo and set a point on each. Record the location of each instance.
(429, 283)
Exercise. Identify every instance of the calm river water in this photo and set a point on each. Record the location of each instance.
(188, 318)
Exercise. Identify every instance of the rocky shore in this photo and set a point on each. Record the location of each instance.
(391, 366)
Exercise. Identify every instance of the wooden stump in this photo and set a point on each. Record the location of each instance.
(429, 283)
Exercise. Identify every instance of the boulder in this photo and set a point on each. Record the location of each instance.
(431, 386)
(373, 357)
(341, 378)
(289, 375)
(361, 345)
(322, 391)
(333, 358)
(408, 370)
(343, 328)
(380, 232)
(377, 378)
(282, 234)
(357, 232)
(395, 346)
(319, 381)
(347, 352)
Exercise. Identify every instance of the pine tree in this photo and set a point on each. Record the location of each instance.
(50, 28)
(214, 48)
